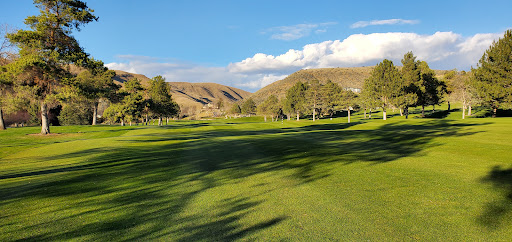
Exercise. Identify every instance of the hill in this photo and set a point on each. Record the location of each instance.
(192, 96)
(346, 77)
(352, 77)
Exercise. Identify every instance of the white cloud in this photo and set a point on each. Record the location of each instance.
(362, 24)
(297, 31)
(442, 50)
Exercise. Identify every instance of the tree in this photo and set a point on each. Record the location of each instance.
(7, 55)
(235, 109)
(410, 83)
(131, 106)
(314, 96)
(462, 91)
(249, 107)
(383, 86)
(96, 83)
(492, 78)
(330, 94)
(431, 89)
(160, 99)
(348, 101)
(295, 101)
(49, 47)
(270, 106)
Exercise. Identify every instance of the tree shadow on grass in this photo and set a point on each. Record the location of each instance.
(496, 212)
(144, 189)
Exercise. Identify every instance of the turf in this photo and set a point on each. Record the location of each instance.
(417, 179)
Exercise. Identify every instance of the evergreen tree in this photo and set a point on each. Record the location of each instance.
(131, 106)
(160, 99)
(96, 83)
(249, 107)
(347, 101)
(235, 109)
(383, 86)
(492, 78)
(314, 97)
(410, 83)
(270, 106)
(49, 47)
(331, 96)
(431, 89)
(295, 101)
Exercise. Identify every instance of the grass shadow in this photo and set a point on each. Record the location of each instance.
(495, 213)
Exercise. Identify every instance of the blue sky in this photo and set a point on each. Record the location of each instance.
(250, 44)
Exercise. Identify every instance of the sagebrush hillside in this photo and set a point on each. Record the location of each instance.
(352, 77)
(346, 77)
(193, 96)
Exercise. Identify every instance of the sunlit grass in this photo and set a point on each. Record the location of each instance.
(428, 179)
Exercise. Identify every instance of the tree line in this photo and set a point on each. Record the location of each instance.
(390, 87)
(36, 73)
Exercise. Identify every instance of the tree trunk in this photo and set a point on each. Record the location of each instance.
(94, 113)
(2, 123)
(406, 111)
(433, 108)
(265, 118)
(422, 111)
(348, 115)
(384, 114)
(370, 114)
(130, 123)
(469, 110)
(314, 114)
(297, 115)
(160, 121)
(494, 112)
(167, 121)
(365, 113)
(448, 106)
(147, 120)
(463, 111)
(45, 124)
(289, 116)
(401, 112)
(122, 122)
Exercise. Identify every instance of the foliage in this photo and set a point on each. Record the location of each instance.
(248, 107)
(410, 84)
(295, 100)
(314, 99)
(383, 86)
(160, 99)
(235, 109)
(271, 106)
(48, 48)
(431, 89)
(492, 78)
(76, 113)
(131, 106)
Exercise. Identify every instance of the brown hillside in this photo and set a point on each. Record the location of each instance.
(352, 77)
(349, 77)
(200, 94)
(192, 96)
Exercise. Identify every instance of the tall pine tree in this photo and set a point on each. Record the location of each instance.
(492, 78)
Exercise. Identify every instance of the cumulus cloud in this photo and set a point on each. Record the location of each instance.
(297, 31)
(442, 50)
(362, 24)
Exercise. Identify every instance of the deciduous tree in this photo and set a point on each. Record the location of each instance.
(295, 101)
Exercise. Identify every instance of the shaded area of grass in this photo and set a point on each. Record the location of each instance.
(495, 213)
(145, 187)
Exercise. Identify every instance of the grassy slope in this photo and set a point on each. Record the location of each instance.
(427, 179)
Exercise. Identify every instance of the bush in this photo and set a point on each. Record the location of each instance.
(76, 114)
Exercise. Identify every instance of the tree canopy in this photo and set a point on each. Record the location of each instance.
(492, 78)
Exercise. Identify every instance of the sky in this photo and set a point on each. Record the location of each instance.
(249, 44)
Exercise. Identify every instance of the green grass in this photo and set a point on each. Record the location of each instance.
(417, 179)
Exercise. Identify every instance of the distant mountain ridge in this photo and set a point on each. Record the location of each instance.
(193, 96)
